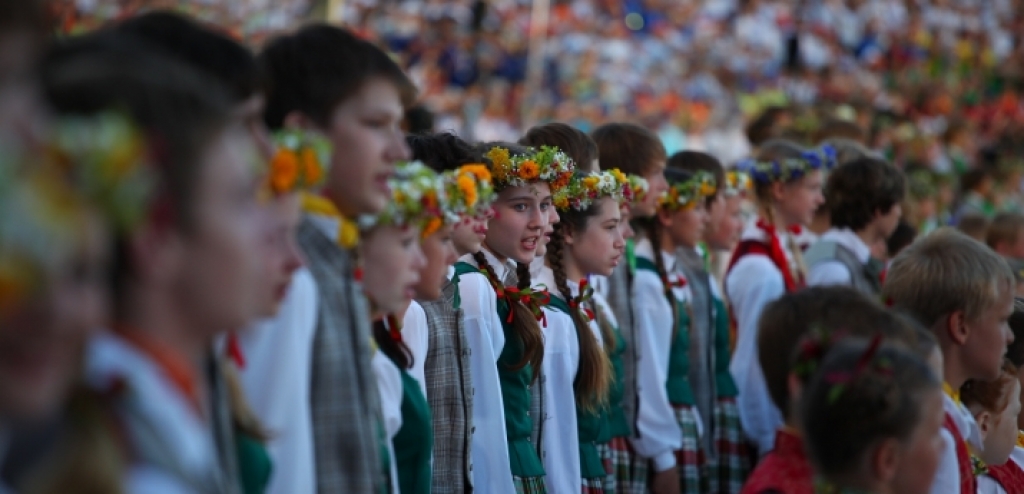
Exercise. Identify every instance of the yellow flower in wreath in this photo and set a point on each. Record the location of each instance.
(467, 186)
(311, 171)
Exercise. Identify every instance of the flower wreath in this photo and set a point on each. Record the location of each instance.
(638, 188)
(300, 162)
(547, 164)
(417, 200)
(764, 172)
(684, 195)
(469, 191)
(584, 189)
(105, 157)
(736, 182)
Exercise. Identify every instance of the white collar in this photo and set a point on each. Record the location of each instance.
(847, 238)
(500, 268)
(964, 421)
(752, 232)
(536, 268)
(644, 248)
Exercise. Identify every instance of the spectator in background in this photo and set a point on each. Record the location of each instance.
(974, 226)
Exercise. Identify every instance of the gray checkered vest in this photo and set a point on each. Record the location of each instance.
(345, 401)
(449, 393)
(827, 250)
(620, 300)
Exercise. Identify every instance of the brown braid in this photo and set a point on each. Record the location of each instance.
(607, 330)
(524, 324)
(593, 376)
(396, 350)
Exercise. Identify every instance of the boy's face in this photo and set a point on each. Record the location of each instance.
(366, 133)
(987, 337)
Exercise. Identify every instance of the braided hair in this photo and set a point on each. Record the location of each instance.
(524, 324)
(592, 379)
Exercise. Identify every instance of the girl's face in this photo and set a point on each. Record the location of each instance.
(366, 134)
(657, 185)
(42, 338)
(725, 223)
(392, 259)
(597, 249)
(521, 215)
(797, 201)
(625, 229)
(919, 455)
(1001, 436)
(542, 248)
(439, 251)
(470, 233)
(686, 227)
(282, 253)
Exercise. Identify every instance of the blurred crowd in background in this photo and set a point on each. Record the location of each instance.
(933, 85)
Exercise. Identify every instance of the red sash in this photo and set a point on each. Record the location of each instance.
(968, 484)
(1009, 475)
(785, 469)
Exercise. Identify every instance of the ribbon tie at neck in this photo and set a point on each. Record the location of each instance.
(777, 254)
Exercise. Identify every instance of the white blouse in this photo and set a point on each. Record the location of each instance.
(753, 283)
(560, 451)
(416, 336)
(491, 471)
(659, 432)
(279, 354)
(389, 383)
(947, 477)
(988, 485)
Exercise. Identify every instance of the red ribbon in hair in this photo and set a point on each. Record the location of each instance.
(532, 299)
(777, 255)
(586, 293)
(233, 349)
(394, 328)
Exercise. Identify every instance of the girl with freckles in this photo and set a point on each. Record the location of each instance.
(503, 319)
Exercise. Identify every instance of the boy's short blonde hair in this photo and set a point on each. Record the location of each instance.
(946, 272)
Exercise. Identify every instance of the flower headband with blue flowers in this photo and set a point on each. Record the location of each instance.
(765, 172)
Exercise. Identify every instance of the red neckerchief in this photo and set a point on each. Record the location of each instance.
(173, 365)
(233, 350)
(777, 254)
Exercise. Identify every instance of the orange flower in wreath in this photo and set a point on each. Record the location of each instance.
(529, 170)
(284, 170)
(311, 171)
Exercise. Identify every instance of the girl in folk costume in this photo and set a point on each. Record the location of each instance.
(766, 264)
(501, 315)
(183, 275)
(588, 241)
(1010, 475)
(393, 259)
(714, 391)
(996, 406)
(871, 417)
(662, 298)
(554, 401)
(639, 153)
(442, 346)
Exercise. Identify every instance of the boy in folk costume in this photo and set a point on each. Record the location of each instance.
(963, 292)
(714, 391)
(863, 197)
(324, 79)
(443, 348)
(635, 151)
(282, 335)
(767, 263)
(185, 273)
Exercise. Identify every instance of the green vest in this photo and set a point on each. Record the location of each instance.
(678, 382)
(618, 426)
(515, 394)
(415, 440)
(590, 424)
(725, 387)
(254, 463)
